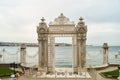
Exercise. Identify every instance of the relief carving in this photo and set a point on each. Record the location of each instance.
(61, 20)
(60, 26)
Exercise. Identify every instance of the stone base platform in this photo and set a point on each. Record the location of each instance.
(62, 74)
(61, 79)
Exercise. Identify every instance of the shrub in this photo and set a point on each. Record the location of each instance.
(6, 72)
(110, 74)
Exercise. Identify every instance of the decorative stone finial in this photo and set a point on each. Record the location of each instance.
(81, 22)
(42, 19)
(61, 14)
(81, 19)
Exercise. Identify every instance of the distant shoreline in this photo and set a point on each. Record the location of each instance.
(36, 44)
(30, 44)
(17, 44)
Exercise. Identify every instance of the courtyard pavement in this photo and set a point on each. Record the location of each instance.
(28, 77)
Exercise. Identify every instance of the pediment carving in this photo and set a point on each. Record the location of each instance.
(61, 20)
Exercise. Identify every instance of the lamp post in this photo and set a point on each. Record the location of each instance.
(14, 67)
(119, 72)
(118, 67)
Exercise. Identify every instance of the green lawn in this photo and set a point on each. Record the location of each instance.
(110, 74)
(6, 72)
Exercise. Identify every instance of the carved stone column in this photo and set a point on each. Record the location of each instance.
(105, 53)
(23, 54)
(51, 55)
(81, 30)
(75, 56)
(43, 46)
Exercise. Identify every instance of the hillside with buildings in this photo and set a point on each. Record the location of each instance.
(30, 44)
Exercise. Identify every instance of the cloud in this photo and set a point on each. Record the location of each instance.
(18, 19)
(100, 33)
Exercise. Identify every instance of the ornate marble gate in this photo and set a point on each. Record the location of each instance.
(61, 26)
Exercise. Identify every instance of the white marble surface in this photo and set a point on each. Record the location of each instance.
(63, 73)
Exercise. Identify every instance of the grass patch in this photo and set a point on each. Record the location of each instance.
(110, 74)
(6, 72)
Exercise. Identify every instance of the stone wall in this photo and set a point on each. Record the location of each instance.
(9, 65)
(4, 65)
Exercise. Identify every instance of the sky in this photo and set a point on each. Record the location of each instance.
(20, 18)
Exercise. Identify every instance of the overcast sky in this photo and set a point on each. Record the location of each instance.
(19, 18)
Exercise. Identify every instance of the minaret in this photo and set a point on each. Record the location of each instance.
(105, 53)
(42, 31)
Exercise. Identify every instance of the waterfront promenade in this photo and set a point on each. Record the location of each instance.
(94, 77)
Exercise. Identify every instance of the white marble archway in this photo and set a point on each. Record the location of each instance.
(46, 38)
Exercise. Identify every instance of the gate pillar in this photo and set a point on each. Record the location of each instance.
(75, 58)
(42, 31)
(81, 30)
(105, 53)
(51, 54)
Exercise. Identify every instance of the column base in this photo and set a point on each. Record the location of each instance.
(75, 70)
(84, 69)
(51, 70)
(42, 69)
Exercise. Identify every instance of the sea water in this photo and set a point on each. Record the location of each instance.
(63, 55)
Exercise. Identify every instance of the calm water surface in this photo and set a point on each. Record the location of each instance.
(63, 55)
